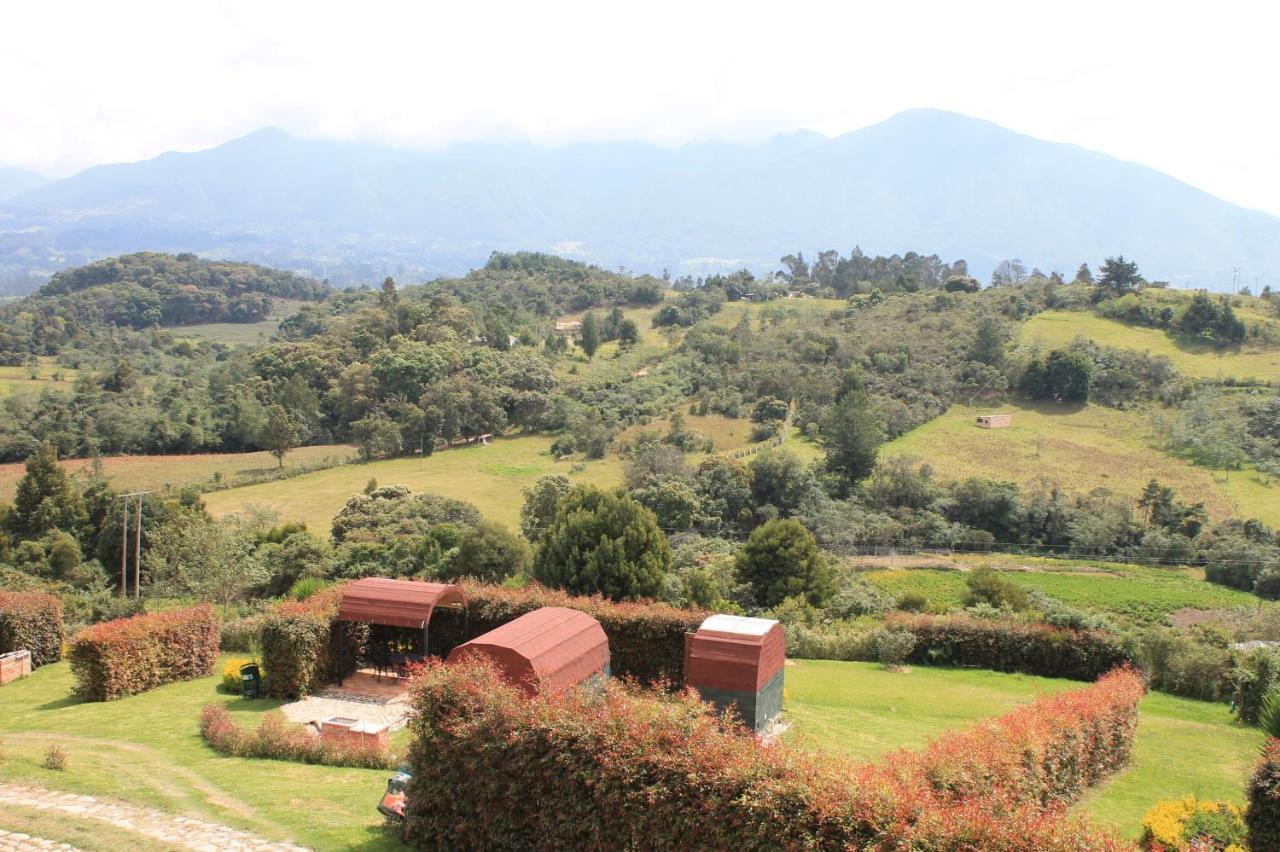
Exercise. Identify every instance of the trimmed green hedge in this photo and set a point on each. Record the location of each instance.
(131, 655)
(304, 647)
(1002, 646)
(31, 621)
(626, 768)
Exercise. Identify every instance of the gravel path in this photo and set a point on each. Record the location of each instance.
(180, 831)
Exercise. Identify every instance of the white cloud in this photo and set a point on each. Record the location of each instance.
(1185, 90)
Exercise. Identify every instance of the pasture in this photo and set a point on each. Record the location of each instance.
(1054, 329)
(155, 473)
(242, 333)
(1079, 448)
(36, 377)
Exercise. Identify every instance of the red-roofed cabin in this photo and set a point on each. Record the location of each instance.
(549, 649)
(737, 663)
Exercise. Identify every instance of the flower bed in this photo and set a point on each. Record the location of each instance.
(131, 655)
(621, 767)
(1187, 825)
(276, 738)
(31, 621)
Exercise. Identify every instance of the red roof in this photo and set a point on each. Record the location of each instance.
(398, 603)
(551, 648)
(734, 653)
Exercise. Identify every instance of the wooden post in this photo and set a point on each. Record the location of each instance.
(124, 550)
(137, 555)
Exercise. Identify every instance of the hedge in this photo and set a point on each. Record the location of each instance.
(31, 621)
(621, 767)
(1263, 813)
(304, 647)
(646, 639)
(131, 655)
(1003, 646)
(276, 738)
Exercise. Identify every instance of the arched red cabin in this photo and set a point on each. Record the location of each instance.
(737, 662)
(549, 649)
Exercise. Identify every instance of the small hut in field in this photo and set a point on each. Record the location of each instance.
(994, 421)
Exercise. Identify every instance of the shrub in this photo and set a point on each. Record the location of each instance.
(304, 647)
(1176, 825)
(131, 655)
(231, 674)
(1256, 674)
(241, 634)
(624, 768)
(31, 621)
(305, 587)
(646, 639)
(1006, 646)
(55, 758)
(912, 602)
(1262, 816)
(893, 647)
(985, 585)
(781, 559)
(276, 738)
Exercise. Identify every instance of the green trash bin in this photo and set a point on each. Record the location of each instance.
(250, 680)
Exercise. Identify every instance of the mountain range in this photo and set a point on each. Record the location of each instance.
(925, 180)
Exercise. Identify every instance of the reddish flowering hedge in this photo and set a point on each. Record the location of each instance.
(1003, 646)
(1263, 814)
(304, 647)
(626, 768)
(276, 738)
(31, 621)
(131, 655)
(646, 639)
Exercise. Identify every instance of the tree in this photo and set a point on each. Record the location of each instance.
(490, 553)
(986, 586)
(628, 332)
(541, 501)
(988, 342)
(1084, 274)
(777, 479)
(44, 499)
(280, 433)
(780, 560)
(1119, 276)
(603, 543)
(1068, 375)
(852, 437)
(376, 436)
(589, 335)
(1008, 272)
(195, 555)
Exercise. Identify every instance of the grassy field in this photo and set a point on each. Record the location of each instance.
(491, 478)
(36, 378)
(242, 333)
(1133, 592)
(1080, 449)
(732, 312)
(155, 473)
(147, 750)
(1052, 329)
(1183, 747)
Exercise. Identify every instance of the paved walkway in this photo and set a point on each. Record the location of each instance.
(180, 831)
(18, 841)
(336, 701)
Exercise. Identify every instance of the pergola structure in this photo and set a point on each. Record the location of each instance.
(399, 604)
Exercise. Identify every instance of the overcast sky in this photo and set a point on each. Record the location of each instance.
(1192, 93)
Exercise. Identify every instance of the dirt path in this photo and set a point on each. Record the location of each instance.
(180, 831)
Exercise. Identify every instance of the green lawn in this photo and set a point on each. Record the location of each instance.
(859, 709)
(1052, 329)
(1079, 448)
(147, 750)
(1139, 593)
(35, 379)
(492, 478)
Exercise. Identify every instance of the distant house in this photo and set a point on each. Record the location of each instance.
(994, 421)
(568, 326)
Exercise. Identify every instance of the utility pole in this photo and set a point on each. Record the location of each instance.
(124, 547)
(137, 547)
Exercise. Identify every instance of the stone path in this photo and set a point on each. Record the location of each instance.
(177, 830)
(335, 701)
(16, 840)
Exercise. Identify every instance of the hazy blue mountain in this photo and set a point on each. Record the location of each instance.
(924, 180)
(14, 181)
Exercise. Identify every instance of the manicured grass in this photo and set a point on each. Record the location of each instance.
(1052, 329)
(135, 473)
(1183, 747)
(859, 709)
(147, 750)
(1140, 593)
(491, 478)
(1079, 448)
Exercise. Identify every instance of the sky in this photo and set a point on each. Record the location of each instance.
(1188, 89)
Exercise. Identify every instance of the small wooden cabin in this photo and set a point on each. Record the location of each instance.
(994, 421)
(737, 663)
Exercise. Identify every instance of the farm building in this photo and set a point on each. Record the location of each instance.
(552, 648)
(737, 663)
(994, 421)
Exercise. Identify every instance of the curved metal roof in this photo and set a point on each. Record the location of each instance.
(549, 648)
(397, 603)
